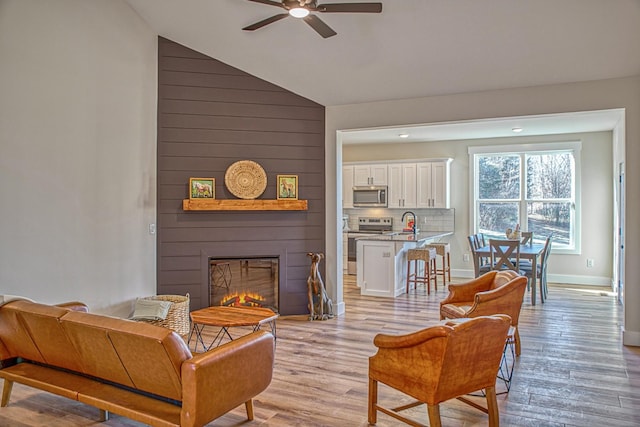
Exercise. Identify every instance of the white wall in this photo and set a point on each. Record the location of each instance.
(597, 198)
(77, 152)
(570, 97)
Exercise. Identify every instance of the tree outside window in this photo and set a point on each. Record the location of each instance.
(533, 189)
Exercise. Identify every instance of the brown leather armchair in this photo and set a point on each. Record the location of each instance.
(495, 292)
(435, 364)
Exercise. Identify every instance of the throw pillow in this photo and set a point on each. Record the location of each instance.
(148, 309)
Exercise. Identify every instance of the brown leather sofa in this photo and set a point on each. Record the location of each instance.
(140, 371)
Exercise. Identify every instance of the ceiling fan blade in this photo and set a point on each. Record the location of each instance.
(318, 24)
(267, 21)
(350, 7)
(269, 2)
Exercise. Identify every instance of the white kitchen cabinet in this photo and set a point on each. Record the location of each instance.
(347, 187)
(402, 185)
(372, 174)
(433, 184)
(375, 268)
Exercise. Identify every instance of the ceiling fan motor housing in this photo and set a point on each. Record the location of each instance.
(290, 4)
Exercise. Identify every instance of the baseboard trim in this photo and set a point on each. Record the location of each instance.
(630, 338)
(339, 309)
(569, 279)
(580, 280)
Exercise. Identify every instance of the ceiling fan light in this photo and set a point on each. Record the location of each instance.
(298, 12)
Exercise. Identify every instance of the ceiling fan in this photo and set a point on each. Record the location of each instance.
(302, 8)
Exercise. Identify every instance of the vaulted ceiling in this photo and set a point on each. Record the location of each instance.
(418, 48)
(414, 48)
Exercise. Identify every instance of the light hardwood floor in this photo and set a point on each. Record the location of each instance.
(573, 370)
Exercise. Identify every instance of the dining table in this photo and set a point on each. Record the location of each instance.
(527, 251)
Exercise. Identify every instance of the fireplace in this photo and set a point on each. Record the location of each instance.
(248, 282)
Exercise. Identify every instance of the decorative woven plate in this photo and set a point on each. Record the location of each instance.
(245, 179)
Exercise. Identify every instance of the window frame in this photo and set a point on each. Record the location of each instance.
(573, 147)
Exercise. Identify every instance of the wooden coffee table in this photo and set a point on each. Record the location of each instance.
(224, 318)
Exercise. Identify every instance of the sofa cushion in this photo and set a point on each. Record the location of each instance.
(138, 355)
(43, 325)
(15, 333)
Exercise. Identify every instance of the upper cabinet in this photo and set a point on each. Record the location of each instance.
(347, 187)
(402, 185)
(420, 184)
(433, 184)
(373, 174)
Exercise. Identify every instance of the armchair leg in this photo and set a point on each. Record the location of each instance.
(249, 407)
(492, 406)
(6, 392)
(516, 337)
(434, 415)
(373, 401)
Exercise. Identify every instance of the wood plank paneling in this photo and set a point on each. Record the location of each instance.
(211, 115)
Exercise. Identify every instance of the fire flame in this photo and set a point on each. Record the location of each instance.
(243, 300)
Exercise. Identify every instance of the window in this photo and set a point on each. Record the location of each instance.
(534, 186)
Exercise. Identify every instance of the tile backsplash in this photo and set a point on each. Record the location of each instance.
(427, 219)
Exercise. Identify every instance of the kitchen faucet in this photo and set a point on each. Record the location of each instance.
(413, 227)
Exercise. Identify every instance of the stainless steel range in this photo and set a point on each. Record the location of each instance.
(366, 226)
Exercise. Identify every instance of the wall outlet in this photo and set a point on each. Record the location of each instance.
(590, 262)
(152, 228)
(465, 257)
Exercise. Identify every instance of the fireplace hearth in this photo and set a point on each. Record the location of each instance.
(248, 282)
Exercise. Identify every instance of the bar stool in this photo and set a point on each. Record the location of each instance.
(443, 250)
(428, 256)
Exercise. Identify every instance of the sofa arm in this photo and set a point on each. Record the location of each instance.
(215, 382)
(463, 292)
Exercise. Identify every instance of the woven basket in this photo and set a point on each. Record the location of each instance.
(178, 315)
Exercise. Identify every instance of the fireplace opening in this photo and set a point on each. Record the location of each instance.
(244, 282)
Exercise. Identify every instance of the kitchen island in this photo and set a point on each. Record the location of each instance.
(382, 261)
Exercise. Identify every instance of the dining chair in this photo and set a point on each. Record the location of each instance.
(527, 238)
(505, 254)
(480, 264)
(439, 363)
(541, 268)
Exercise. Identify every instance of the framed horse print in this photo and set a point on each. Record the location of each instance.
(287, 187)
(202, 188)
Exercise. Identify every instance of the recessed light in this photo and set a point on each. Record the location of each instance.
(403, 135)
(298, 12)
(517, 129)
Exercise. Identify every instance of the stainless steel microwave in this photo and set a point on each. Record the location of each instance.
(370, 196)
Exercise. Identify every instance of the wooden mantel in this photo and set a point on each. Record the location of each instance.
(244, 205)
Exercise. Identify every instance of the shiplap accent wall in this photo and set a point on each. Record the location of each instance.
(211, 115)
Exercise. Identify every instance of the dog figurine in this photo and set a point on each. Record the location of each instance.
(320, 305)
